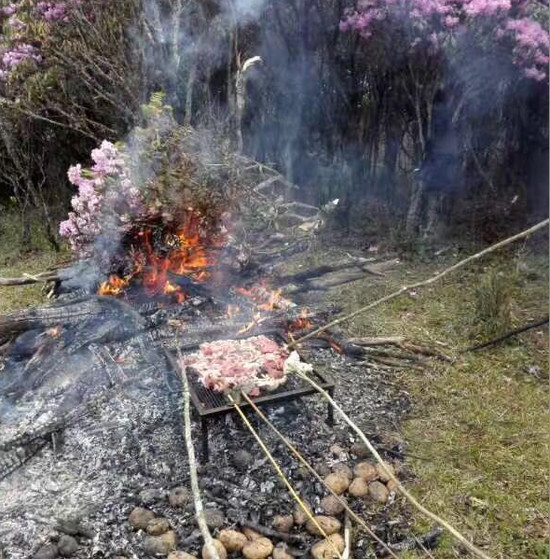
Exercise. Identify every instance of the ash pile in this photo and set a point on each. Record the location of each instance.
(92, 452)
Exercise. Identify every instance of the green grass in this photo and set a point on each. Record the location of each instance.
(16, 260)
(478, 427)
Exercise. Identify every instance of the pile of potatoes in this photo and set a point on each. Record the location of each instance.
(365, 481)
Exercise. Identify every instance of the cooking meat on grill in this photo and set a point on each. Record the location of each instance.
(248, 365)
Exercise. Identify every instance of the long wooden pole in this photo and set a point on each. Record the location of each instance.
(433, 279)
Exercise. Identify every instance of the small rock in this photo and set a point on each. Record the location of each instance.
(157, 526)
(180, 555)
(300, 517)
(391, 486)
(242, 459)
(160, 545)
(214, 518)
(366, 471)
(326, 549)
(331, 505)
(140, 517)
(232, 540)
(258, 549)
(382, 474)
(67, 546)
(359, 487)
(222, 552)
(322, 469)
(49, 551)
(179, 496)
(280, 552)
(343, 469)
(150, 496)
(329, 524)
(378, 491)
(283, 523)
(337, 482)
(360, 450)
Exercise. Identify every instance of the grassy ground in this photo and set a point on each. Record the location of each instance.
(16, 260)
(478, 427)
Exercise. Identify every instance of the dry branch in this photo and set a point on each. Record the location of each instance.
(386, 469)
(522, 235)
(29, 279)
(197, 501)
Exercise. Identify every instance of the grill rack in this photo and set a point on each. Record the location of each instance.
(210, 404)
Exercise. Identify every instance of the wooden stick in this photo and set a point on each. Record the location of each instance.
(28, 279)
(503, 337)
(524, 234)
(313, 472)
(199, 508)
(389, 340)
(347, 537)
(281, 474)
(385, 468)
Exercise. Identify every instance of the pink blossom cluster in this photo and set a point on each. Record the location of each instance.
(18, 54)
(434, 21)
(105, 187)
(52, 11)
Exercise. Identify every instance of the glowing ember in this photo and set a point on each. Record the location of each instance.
(302, 322)
(265, 298)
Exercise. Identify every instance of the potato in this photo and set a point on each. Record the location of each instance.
(378, 491)
(392, 486)
(232, 540)
(283, 523)
(329, 524)
(383, 476)
(337, 482)
(359, 487)
(281, 552)
(366, 471)
(331, 505)
(343, 469)
(325, 549)
(258, 549)
(222, 553)
(251, 534)
(300, 517)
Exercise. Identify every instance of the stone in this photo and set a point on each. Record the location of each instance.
(326, 549)
(150, 496)
(280, 552)
(360, 450)
(329, 524)
(157, 526)
(179, 496)
(160, 545)
(391, 486)
(67, 546)
(242, 459)
(232, 540)
(258, 549)
(300, 517)
(343, 469)
(366, 471)
(140, 517)
(283, 523)
(382, 475)
(214, 518)
(49, 551)
(178, 554)
(337, 482)
(222, 552)
(331, 505)
(359, 487)
(378, 491)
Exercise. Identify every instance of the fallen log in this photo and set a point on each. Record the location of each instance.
(29, 279)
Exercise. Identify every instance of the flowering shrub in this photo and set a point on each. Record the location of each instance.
(437, 23)
(104, 188)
